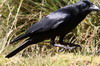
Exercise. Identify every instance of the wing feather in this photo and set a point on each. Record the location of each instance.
(49, 22)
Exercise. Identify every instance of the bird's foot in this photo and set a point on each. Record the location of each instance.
(67, 46)
(63, 46)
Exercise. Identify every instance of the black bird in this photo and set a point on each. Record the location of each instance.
(58, 23)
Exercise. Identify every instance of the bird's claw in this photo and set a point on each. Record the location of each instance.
(63, 46)
(66, 47)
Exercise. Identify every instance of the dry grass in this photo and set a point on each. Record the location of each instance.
(60, 59)
(17, 15)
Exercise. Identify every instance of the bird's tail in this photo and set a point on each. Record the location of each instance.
(19, 48)
(19, 38)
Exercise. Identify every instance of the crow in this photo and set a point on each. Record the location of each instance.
(58, 23)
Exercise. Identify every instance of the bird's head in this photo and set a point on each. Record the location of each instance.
(86, 5)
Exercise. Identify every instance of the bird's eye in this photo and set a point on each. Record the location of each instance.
(83, 6)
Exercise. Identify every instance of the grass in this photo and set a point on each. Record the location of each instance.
(17, 15)
(60, 59)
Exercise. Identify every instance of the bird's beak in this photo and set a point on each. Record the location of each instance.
(94, 8)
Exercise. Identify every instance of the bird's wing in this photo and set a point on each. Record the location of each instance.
(49, 22)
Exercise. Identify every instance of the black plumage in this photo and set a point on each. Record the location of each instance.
(58, 23)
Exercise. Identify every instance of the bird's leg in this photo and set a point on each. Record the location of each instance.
(61, 39)
(52, 42)
(66, 45)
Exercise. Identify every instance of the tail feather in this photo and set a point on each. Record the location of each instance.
(18, 49)
(19, 38)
